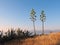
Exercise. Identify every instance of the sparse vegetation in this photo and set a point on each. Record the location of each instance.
(49, 39)
(13, 35)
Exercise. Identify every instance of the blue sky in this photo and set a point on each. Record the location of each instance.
(16, 13)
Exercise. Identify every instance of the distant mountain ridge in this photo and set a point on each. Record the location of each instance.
(46, 31)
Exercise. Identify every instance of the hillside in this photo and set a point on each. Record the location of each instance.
(50, 39)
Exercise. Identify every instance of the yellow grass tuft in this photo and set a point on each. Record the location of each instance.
(50, 39)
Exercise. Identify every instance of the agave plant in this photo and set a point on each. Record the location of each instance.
(33, 19)
(43, 19)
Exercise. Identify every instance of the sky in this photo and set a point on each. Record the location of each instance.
(16, 13)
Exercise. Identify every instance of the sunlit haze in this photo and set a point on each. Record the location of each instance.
(16, 14)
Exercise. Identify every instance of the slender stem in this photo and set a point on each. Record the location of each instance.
(42, 27)
(34, 28)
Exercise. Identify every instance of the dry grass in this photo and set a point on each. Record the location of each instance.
(50, 39)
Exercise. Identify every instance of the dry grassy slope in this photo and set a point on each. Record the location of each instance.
(51, 39)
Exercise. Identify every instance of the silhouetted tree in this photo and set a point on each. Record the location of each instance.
(27, 34)
(12, 34)
(33, 19)
(19, 33)
(9, 35)
(1, 36)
